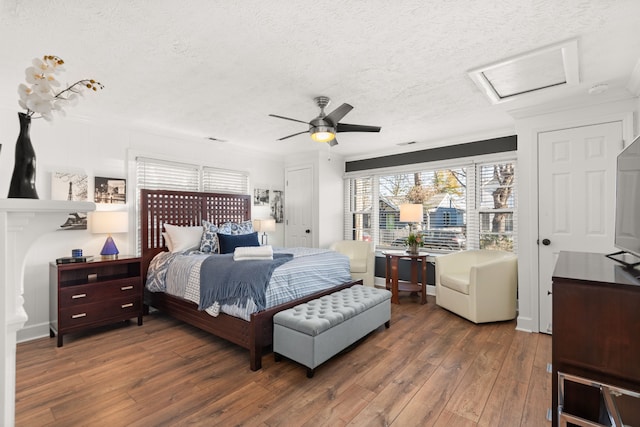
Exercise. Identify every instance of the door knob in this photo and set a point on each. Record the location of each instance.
(307, 231)
(546, 242)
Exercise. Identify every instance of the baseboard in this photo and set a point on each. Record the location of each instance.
(33, 332)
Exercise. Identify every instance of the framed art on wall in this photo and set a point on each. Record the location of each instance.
(260, 197)
(110, 190)
(72, 187)
(277, 205)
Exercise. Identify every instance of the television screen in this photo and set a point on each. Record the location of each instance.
(627, 227)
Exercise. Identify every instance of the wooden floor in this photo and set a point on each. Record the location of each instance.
(431, 368)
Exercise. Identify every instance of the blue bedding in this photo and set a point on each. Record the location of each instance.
(310, 270)
(235, 282)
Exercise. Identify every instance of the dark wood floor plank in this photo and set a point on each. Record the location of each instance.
(431, 368)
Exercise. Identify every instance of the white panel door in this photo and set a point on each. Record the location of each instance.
(299, 207)
(576, 192)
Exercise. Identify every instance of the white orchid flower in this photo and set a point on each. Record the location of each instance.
(41, 95)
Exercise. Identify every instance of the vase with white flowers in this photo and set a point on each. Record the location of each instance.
(40, 97)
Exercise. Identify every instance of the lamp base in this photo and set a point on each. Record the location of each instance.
(109, 250)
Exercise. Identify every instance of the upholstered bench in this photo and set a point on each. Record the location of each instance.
(317, 330)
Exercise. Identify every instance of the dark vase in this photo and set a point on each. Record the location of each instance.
(23, 180)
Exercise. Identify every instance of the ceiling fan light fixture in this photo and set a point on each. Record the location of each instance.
(323, 133)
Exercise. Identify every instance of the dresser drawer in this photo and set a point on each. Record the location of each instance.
(100, 291)
(98, 312)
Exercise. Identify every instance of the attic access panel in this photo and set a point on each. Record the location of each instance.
(552, 66)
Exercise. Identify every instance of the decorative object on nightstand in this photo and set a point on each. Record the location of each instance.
(108, 222)
(262, 226)
(411, 213)
(95, 293)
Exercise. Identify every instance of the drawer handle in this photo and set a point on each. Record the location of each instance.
(77, 316)
(78, 296)
(126, 288)
(127, 305)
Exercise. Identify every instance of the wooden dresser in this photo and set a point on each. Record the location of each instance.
(89, 294)
(596, 334)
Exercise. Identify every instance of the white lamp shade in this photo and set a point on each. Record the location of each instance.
(410, 212)
(263, 225)
(108, 222)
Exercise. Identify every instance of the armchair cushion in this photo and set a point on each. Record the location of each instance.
(358, 265)
(458, 282)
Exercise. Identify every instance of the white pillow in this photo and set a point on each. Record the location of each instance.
(183, 238)
(167, 242)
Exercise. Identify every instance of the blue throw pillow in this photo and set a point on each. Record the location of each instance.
(228, 243)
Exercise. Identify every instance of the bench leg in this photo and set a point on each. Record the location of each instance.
(387, 324)
(310, 372)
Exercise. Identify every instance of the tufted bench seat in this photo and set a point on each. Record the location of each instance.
(317, 330)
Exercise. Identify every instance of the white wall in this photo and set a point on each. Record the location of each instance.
(527, 130)
(69, 144)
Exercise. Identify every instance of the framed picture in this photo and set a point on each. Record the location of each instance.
(260, 197)
(277, 205)
(73, 187)
(110, 190)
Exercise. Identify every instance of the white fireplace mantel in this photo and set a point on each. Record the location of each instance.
(22, 222)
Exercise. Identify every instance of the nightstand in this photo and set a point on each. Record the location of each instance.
(95, 293)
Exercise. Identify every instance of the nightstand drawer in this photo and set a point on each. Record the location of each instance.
(86, 314)
(100, 291)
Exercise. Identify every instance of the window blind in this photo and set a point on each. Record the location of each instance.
(157, 174)
(225, 181)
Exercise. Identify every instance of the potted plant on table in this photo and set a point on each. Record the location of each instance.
(414, 240)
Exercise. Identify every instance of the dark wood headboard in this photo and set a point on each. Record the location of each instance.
(184, 208)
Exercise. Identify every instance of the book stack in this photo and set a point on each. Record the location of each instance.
(73, 259)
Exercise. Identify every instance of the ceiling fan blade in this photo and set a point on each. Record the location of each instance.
(336, 115)
(333, 142)
(288, 118)
(345, 127)
(289, 136)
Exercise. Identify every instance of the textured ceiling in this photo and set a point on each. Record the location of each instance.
(218, 68)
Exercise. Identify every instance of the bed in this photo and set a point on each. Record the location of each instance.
(158, 207)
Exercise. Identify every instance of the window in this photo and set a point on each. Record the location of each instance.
(158, 174)
(162, 175)
(358, 221)
(465, 206)
(166, 175)
(218, 180)
(497, 206)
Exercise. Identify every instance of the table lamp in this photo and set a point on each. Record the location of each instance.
(109, 222)
(411, 213)
(264, 225)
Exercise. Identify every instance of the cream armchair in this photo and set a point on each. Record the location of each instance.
(361, 259)
(479, 285)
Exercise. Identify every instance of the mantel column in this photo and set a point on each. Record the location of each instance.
(22, 222)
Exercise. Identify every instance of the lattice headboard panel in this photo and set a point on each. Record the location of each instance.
(159, 207)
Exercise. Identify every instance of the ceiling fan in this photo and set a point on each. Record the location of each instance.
(324, 127)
